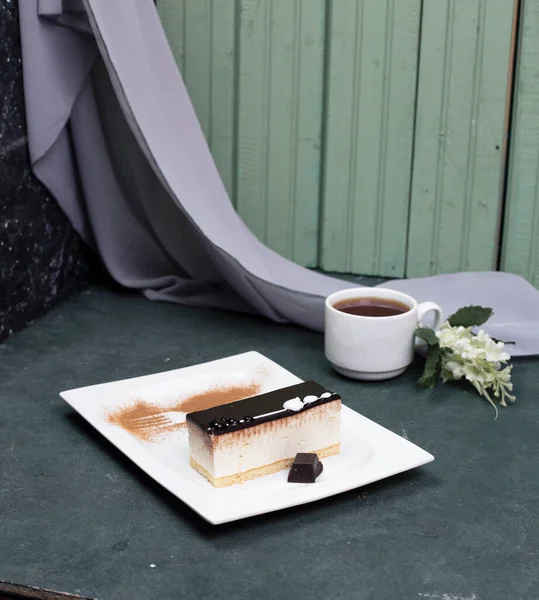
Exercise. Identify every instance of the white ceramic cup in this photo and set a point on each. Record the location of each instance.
(373, 348)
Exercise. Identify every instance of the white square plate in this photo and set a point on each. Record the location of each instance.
(369, 452)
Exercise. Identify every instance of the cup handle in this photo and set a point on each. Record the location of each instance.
(425, 307)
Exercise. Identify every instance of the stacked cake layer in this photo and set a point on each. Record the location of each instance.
(257, 436)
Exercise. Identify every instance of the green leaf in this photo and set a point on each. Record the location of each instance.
(470, 316)
(432, 367)
(427, 334)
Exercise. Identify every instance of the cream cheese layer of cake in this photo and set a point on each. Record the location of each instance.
(236, 442)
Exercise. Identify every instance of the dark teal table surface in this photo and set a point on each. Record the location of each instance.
(77, 516)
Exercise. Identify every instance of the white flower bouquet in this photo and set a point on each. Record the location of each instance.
(455, 352)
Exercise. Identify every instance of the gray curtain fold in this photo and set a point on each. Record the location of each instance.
(67, 13)
(113, 135)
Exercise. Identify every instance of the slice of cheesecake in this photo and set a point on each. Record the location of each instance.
(236, 442)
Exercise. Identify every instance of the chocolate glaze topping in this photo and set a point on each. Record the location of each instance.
(260, 409)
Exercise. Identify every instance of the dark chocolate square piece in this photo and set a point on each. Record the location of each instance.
(305, 469)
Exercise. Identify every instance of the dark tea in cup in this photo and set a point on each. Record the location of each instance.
(371, 307)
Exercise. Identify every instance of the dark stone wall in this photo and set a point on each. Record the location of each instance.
(42, 259)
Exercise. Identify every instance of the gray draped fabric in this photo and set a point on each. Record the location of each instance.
(114, 137)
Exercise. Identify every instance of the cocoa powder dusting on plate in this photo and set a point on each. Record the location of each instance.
(217, 397)
(142, 419)
(135, 418)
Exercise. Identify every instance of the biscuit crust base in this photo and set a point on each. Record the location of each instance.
(259, 471)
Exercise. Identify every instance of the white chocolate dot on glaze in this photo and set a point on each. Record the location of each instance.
(294, 404)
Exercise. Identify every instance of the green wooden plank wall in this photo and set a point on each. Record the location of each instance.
(361, 136)
(281, 53)
(371, 88)
(254, 71)
(521, 237)
(456, 192)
